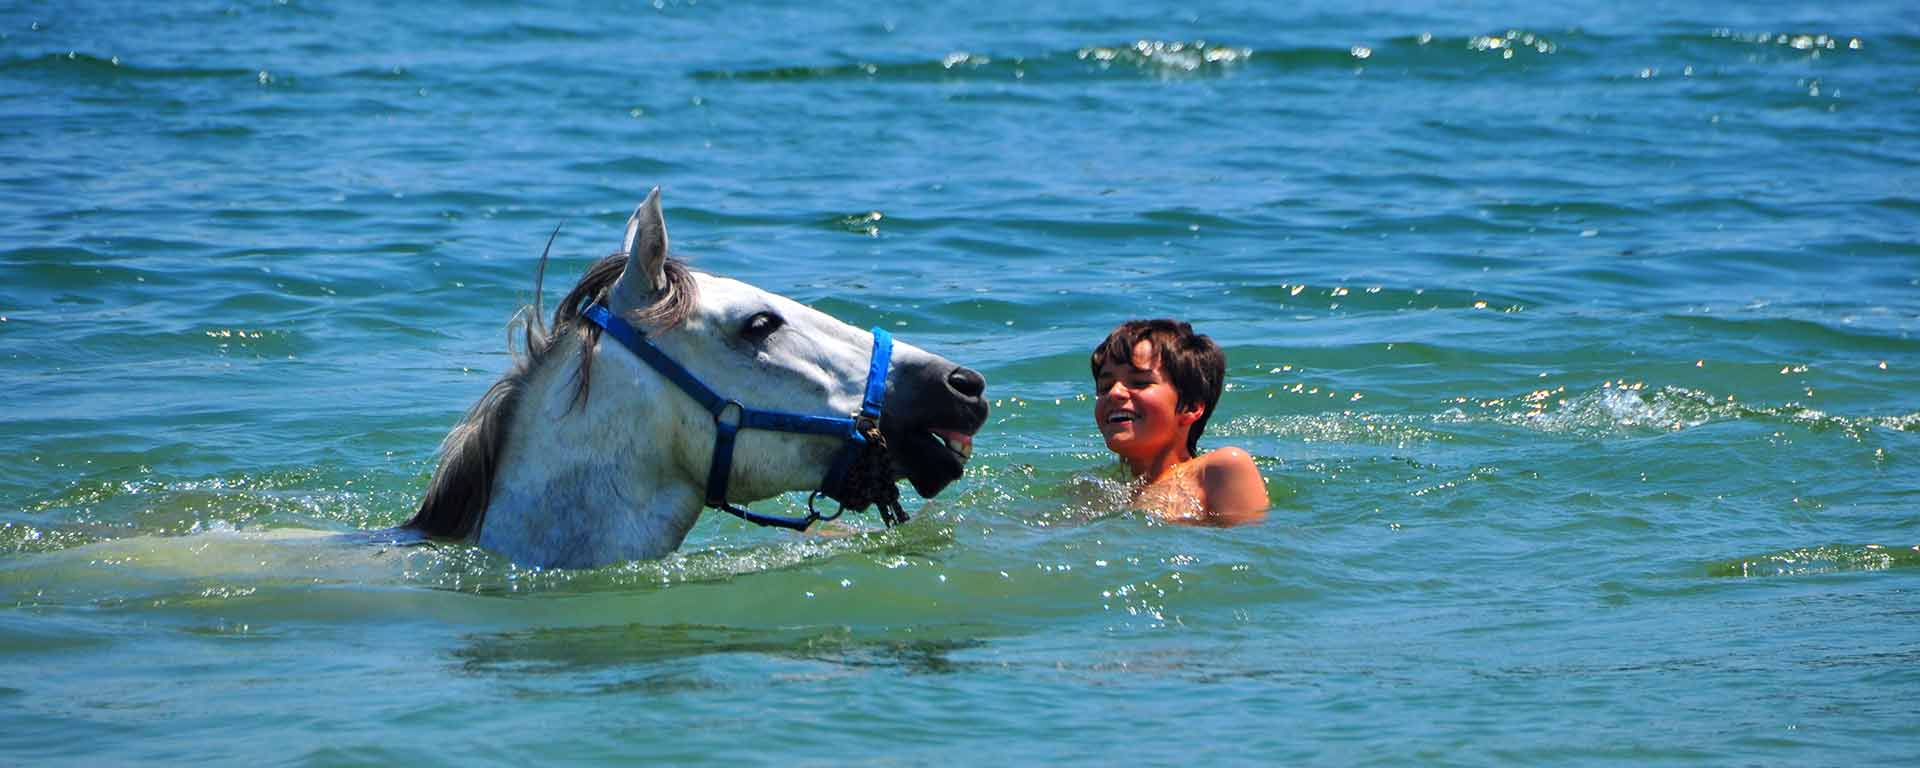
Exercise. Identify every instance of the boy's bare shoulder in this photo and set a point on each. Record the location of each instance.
(1235, 491)
(1230, 460)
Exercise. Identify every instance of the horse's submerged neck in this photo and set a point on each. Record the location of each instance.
(574, 488)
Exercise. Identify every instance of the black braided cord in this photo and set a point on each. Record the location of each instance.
(869, 480)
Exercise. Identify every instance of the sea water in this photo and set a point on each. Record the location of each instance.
(1577, 343)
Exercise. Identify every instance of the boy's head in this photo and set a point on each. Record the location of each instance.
(1190, 362)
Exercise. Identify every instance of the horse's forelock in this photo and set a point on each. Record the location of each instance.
(462, 486)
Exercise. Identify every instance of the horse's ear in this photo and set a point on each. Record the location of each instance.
(646, 249)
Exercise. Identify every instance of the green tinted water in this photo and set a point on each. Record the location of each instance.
(1577, 343)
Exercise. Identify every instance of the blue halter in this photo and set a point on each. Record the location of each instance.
(849, 429)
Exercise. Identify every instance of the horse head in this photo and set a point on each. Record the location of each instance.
(613, 458)
(770, 352)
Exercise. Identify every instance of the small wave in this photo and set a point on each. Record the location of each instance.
(1150, 58)
(1450, 57)
(1832, 337)
(1511, 43)
(1633, 408)
(214, 132)
(392, 73)
(1812, 43)
(235, 548)
(1907, 423)
(1615, 409)
(1548, 210)
(1370, 297)
(1832, 558)
(861, 70)
(828, 543)
(22, 537)
(521, 32)
(87, 66)
(1902, 205)
(1344, 427)
(863, 223)
(541, 652)
(50, 255)
(170, 507)
(630, 165)
(1423, 55)
(1164, 57)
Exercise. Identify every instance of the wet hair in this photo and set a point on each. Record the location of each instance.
(1193, 363)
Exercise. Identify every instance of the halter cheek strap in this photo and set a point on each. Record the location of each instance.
(730, 416)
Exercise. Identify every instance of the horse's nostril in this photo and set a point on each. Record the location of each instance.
(967, 381)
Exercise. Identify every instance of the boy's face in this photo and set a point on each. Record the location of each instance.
(1137, 408)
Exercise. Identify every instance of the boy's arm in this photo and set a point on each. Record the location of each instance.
(1235, 492)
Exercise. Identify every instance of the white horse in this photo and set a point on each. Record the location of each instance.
(587, 453)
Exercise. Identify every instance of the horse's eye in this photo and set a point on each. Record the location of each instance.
(760, 326)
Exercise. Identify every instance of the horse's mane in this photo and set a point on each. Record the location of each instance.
(462, 485)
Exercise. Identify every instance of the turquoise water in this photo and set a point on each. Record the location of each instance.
(1578, 344)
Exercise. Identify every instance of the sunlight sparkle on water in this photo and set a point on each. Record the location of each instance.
(1513, 40)
(1181, 56)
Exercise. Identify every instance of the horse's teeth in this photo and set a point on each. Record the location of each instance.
(958, 443)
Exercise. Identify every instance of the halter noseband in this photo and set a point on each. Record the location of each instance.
(851, 430)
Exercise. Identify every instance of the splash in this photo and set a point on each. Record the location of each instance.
(469, 569)
(1623, 408)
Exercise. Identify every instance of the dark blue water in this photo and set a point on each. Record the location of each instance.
(1578, 344)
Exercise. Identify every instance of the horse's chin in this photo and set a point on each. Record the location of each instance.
(925, 461)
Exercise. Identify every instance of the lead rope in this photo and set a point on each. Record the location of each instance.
(869, 480)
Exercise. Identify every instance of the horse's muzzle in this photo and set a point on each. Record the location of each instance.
(934, 408)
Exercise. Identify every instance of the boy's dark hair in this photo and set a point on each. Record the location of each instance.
(1195, 365)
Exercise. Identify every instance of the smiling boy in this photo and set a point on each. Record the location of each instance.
(1157, 382)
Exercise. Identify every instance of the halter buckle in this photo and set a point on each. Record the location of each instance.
(814, 514)
(739, 414)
